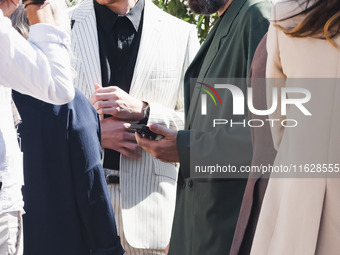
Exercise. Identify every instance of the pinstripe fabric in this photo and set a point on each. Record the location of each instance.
(114, 192)
(84, 40)
(167, 47)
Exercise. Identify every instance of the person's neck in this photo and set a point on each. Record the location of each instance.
(8, 7)
(122, 7)
(224, 8)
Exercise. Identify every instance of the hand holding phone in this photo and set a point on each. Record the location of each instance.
(145, 132)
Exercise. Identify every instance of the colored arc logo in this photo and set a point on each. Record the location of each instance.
(209, 93)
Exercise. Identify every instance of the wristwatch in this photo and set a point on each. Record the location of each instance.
(146, 113)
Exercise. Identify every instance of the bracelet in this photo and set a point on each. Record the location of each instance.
(43, 4)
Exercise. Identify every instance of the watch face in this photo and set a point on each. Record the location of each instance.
(146, 110)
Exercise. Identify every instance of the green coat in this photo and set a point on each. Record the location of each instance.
(207, 208)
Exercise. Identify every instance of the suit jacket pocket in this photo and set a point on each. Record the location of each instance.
(164, 74)
(163, 91)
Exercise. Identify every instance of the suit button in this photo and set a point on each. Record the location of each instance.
(183, 185)
(190, 184)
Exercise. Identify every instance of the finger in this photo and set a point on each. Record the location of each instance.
(127, 126)
(167, 249)
(158, 129)
(130, 145)
(97, 86)
(131, 153)
(109, 111)
(104, 104)
(145, 143)
(93, 98)
(128, 136)
(105, 96)
(108, 89)
(139, 140)
(98, 96)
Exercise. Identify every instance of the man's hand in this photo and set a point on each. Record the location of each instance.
(117, 136)
(167, 249)
(9, 6)
(116, 102)
(164, 149)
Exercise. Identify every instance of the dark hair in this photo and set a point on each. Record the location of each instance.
(322, 20)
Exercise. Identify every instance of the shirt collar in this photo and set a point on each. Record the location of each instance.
(108, 18)
(135, 14)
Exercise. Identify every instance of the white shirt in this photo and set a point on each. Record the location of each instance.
(39, 67)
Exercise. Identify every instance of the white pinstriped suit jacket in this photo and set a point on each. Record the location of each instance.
(148, 186)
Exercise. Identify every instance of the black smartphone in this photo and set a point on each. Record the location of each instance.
(145, 132)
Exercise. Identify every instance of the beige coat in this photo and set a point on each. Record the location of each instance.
(302, 215)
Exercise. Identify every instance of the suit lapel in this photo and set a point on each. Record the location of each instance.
(84, 35)
(222, 31)
(189, 106)
(210, 49)
(147, 54)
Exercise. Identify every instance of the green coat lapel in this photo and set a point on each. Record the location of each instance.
(190, 73)
(222, 31)
(209, 50)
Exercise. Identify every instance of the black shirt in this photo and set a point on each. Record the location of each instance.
(119, 39)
